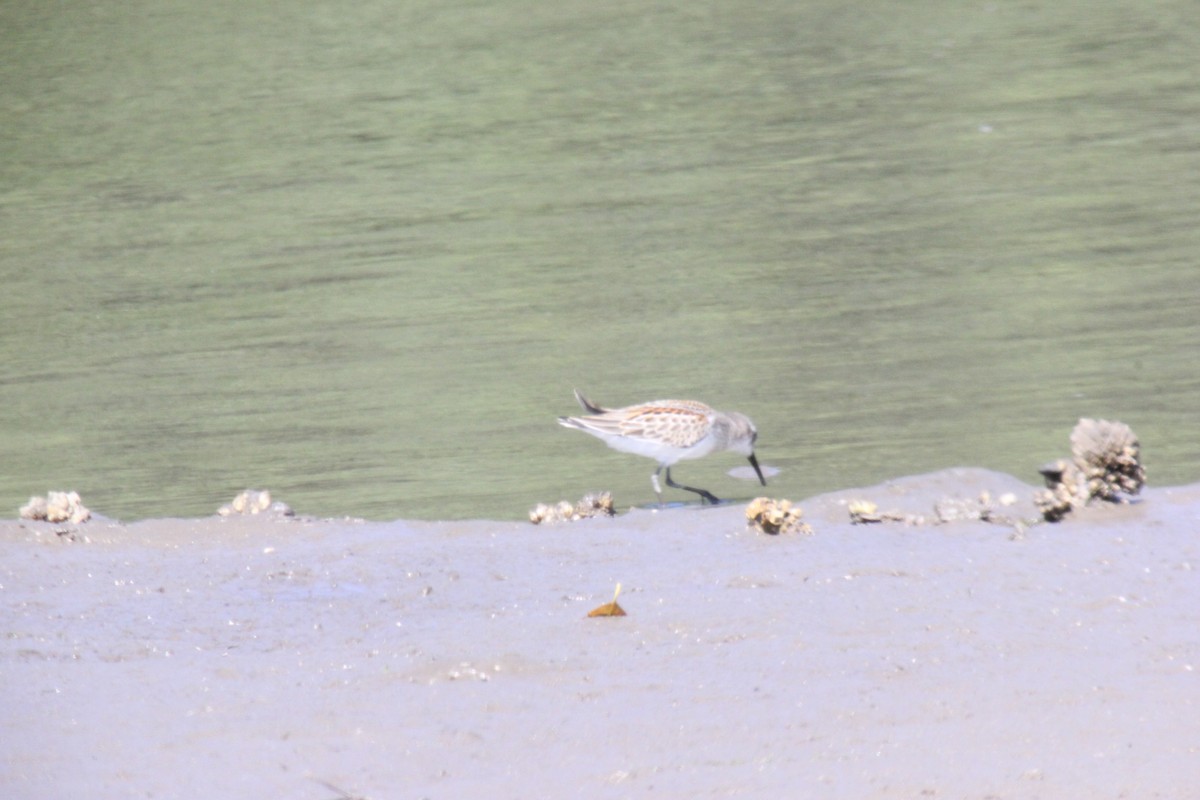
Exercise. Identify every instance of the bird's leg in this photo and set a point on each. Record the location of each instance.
(709, 496)
(654, 482)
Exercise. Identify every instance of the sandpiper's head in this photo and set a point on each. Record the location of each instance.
(739, 434)
(742, 437)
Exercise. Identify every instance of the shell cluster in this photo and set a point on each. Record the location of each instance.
(1105, 463)
(1065, 490)
(1110, 457)
(983, 508)
(595, 504)
(863, 512)
(255, 501)
(776, 516)
(56, 507)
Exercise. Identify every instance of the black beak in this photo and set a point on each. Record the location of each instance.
(754, 463)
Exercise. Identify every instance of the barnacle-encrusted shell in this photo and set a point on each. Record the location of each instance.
(255, 501)
(34, 509)
(1105, 464)
(56, 507)
(1065, 490)
(776, 516)
(1109, 456)
(595, 504)
(863, 511)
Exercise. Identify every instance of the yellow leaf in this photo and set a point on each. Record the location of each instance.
(609, 609)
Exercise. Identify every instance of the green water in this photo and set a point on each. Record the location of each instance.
(360, 253)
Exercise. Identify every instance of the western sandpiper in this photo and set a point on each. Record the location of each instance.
(669, 431)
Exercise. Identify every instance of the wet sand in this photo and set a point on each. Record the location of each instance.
(314, 659)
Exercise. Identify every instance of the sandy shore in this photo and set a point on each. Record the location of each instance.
(258, 658)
